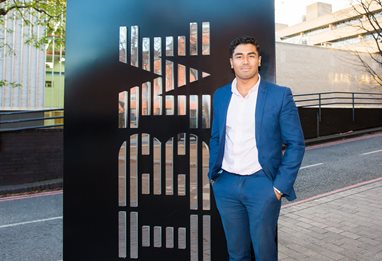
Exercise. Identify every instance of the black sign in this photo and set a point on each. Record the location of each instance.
(140, 76)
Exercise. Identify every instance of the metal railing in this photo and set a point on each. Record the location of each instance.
(328, 99)
(54, 118)
(342, 100)
(31, 119)
(351, 100)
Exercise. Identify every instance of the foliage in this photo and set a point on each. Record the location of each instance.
(46, 14)
(370, 13)
(49, 14)
(6, 83)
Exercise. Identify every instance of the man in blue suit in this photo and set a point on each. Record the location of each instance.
(249, 172)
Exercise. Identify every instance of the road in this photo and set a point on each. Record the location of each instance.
(31, 226)
(335, 165)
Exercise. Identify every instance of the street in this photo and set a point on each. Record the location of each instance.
(31, 225)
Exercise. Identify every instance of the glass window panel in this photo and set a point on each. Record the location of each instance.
(122, 109)
(169, 167)
(122, 176)
(169, 46)
(145, 144)
(182, 238)
(206, 38)
(181, 105)
(122, 234)
(193, 38)
(169, 237)
(182, 144)
(206, 183)
(157, 97)
(134, 107)
(181, 45)
(193, 172)
(145, 184)
(134, 235)
(169, 75)
(145, 236)
(133, 170)
(157, 236)
(134, 46)
(181, 185)
(206, 238)
(194, 237)
(193, 111)
(157, 157)
(123, 44)
(181, 75)
(146, 98)
(206, 111)
(158, 55)
(193, 75)
(204, 74)
(170, 105)
(146, 65)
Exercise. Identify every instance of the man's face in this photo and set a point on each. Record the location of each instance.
(245, 61)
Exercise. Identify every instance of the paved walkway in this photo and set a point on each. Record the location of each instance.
(341, 225)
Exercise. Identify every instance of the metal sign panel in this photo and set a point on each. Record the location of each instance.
(139, 80)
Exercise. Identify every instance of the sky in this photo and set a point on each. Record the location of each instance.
(290, 12)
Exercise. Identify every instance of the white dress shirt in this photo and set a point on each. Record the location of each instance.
(240, 151)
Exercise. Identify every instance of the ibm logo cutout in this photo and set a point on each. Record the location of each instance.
(153, 170)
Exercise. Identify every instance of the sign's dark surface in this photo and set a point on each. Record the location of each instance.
(139, 80)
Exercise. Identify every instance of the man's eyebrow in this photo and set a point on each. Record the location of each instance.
(236, 54)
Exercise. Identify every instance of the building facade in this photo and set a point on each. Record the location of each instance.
(346, 29)
(32, 76)
(22, 66)
(315, 69)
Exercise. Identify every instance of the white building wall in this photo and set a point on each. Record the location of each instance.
(22, 64)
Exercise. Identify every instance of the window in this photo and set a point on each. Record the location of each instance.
(48, 84)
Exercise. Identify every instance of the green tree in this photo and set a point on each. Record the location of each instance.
(50, 14)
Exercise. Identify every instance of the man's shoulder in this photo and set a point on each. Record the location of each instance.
(276, 90)
(223, 90)
(274, 86)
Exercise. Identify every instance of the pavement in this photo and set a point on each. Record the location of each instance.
(345, 224)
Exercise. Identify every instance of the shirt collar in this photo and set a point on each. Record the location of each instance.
(236, 92)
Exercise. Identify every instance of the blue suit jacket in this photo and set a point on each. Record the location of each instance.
(277, 123)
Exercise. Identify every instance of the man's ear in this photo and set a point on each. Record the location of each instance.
(230, 61)
(259, 61)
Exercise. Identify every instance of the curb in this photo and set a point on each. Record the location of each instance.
(361, 184)
(52, 184)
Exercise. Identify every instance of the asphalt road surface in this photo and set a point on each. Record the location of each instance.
(335, 165)
(31, 225)
(31, 228)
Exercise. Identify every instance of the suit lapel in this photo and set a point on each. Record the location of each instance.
(261, 98)
(224, 107)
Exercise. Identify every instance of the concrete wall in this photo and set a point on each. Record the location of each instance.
(338, 120)
(318, 9)
(310, 69)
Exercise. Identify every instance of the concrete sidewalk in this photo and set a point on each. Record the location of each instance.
(342, 225)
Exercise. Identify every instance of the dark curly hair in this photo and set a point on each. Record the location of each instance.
(243, 40)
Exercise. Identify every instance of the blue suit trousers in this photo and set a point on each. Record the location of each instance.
(249, 211)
